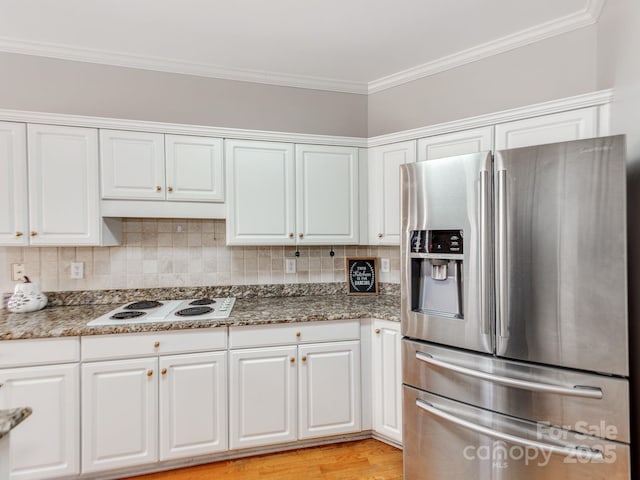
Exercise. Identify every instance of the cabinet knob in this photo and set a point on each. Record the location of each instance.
(292, 360)
(33, 234)
(300, 235)
(163, 371)
(169, 189)
(304, 359)
(298, 334)
(158, 188)
(19, 234)
(156, 345)
(149, 373)
(377, 330)
(379, 235)
(291, 235)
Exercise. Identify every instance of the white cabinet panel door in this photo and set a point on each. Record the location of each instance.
(457, 143)
(119, 414)
(260, 193)
(384, 190)
(327, 205)
(14, 214)
(329, 389)
(194, 168)
(47, 444)
(193, 404)
(558, 127)
(262, 396)
(63, 185)
(387, 380)
(132, 165)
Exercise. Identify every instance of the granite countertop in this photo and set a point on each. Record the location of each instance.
(71, 320)
(12, 417)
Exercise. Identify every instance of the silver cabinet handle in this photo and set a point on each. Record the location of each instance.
(485, 266)
(502, 303)
(575, 391)
(568, 450)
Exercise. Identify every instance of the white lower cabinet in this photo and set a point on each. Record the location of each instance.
(262, 396)
(387, 379)
(47, 444)
(193, 404)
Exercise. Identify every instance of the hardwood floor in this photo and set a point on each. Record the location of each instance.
(361, 460)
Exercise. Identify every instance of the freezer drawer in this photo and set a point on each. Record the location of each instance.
(444, 439)
(557, 396)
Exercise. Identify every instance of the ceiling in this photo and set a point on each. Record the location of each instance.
(359, 46)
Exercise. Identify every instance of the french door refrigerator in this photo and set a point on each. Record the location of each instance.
(514, 314)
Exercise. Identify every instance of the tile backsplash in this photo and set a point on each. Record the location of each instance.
(173, 253)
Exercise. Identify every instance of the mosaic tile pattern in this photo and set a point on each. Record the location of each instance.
(182, 253)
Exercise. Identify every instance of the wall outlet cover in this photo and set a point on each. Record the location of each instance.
(384, 265)
(290, 265)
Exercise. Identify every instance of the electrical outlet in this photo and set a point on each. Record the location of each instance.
(77, 270)
(384, 265)
(290, 265)
(17, 271)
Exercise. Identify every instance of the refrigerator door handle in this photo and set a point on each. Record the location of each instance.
(568, 450)
(575, 391)
(485, 245)
(502, 303)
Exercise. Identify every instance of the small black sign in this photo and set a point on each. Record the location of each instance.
(362, 276)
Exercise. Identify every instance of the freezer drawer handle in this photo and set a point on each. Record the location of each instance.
(576, 390)
(569, 450)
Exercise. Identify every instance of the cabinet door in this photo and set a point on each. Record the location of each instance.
(193, 404)
(194, 168)
(120, 414)
(13, 184)
(64, 201)
(329, 389)
(387, 380)
(457, 143)
(132, 165)
(47, 444)
(558, 127)
(327, 207)
(262, 396)
(384, 190)
(260, 193)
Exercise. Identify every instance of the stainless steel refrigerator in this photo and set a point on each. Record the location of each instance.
(514, 314)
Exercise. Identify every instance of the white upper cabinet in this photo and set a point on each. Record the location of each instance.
(276, 198)
(457, 143)
(154, 166)
(260, 193)
(64, 199)
(14, 221)
(384, 190)
(558, 127)
(132, 165)
(194, 168)
(327, 195)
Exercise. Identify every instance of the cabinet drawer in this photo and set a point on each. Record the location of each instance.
(39, 351)
(292, 333)
(105, 347)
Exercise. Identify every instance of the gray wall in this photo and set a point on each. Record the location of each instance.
(558, 67)
(619, 68)
(61, 86)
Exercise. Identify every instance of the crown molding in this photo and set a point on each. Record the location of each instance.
(601, 97)
(177, 128)
(588, 16)
(160, 64)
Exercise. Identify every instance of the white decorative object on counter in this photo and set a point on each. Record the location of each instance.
(26, 297)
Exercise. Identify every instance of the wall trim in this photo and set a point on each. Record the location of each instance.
(585, 17)
(601, 97)
(588, 16)
(177, 128)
